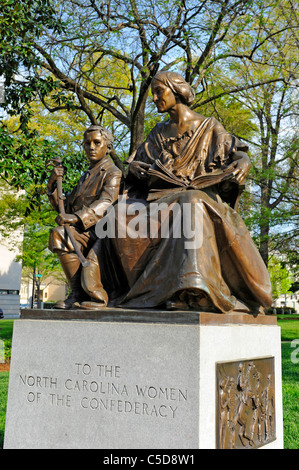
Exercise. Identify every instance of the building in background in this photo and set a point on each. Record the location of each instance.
(10, 269)
(10, 280)
(288, 301)
(46, 289)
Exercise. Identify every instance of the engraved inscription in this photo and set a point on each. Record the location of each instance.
(101, 388)
(245, 403)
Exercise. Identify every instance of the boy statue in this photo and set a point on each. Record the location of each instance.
(96, 190)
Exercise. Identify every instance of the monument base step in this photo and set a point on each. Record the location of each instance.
(148, 315)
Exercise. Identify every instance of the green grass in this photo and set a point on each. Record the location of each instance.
(290, 380)
(289, 329)
(3, 399)
(6, 327)
(290, 393)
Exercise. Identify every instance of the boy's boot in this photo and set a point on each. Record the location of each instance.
(72, 268)
(92, 284)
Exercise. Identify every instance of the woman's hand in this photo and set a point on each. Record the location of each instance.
(242, 166)
(139, 170)
(70, 219)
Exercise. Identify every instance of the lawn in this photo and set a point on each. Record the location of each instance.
(6, 336)
(6, 327)
(3, 398)
(289, 329)
(290, 379)
(290, 383)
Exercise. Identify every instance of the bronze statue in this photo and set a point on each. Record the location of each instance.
(188, 173)
(191, 164)
(80, 210)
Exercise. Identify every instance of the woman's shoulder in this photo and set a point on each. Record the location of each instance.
(195, 120)
(199, 118)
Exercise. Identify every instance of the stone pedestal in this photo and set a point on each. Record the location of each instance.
(124, 379)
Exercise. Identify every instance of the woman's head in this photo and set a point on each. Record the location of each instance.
(177, 85)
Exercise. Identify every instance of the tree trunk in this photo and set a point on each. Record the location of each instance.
(137, 126)
(264, 240)
(137, 132)
(264, 223)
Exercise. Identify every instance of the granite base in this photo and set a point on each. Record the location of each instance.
(128, 380)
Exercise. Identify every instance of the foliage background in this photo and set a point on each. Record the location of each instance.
(67, 64)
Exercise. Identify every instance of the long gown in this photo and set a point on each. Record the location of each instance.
(215, 267)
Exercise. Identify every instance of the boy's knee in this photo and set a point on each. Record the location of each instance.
(57, 239)
(57, 233)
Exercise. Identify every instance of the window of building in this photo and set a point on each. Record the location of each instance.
(9, 292)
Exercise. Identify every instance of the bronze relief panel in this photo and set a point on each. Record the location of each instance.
(245, 416)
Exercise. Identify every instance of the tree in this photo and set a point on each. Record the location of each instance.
(31, 226)
(94, 61)
(274, 149)
(59, 46)
(276, 156)
(27, 207)
(281, 279)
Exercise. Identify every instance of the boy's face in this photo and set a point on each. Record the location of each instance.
(95, 147)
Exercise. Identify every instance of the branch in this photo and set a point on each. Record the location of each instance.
(85, 107)
(282, 193)
(142, 34)
(210, 44)
(55, 108)
(236, 90)
(71, 84)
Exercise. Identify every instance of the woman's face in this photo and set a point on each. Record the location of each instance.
(163, 97)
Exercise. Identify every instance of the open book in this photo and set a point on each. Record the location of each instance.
(159, 177)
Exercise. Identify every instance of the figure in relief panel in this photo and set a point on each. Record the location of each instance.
(246, 404)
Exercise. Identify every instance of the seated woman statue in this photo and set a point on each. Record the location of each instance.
(189, 171)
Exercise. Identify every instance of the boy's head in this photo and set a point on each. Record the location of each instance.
(97, 143)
